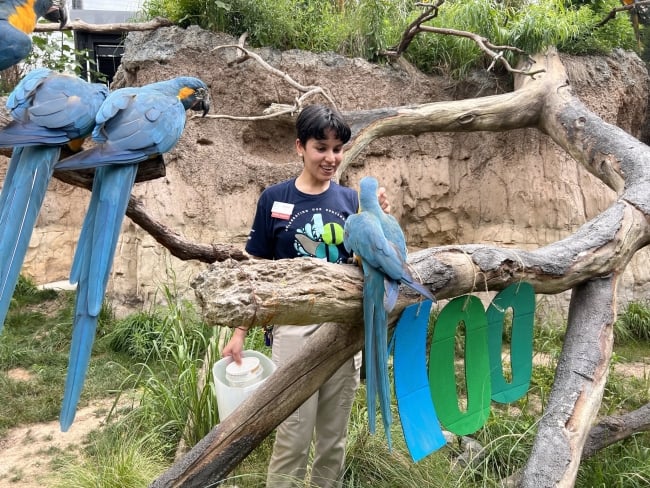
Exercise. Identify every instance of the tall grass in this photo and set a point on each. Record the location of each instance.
(114, 459)
(633, 324)
(135, 447)
(34, 349)
(178, 351)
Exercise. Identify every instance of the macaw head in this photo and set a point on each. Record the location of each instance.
(368, 187)
(52, 10)
(193, 94)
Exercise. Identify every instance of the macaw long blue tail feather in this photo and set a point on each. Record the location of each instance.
(376, 349)
(22, 196)
(83, 336)
(369, 305)
(92, 264)
(418, 287)
(11, 170)
(116, 185)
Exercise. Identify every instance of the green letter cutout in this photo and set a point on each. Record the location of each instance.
(468, 310)
(521, 298)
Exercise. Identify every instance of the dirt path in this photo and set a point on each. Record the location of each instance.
(27, 451)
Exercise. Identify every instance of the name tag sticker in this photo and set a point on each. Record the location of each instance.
(281, 210)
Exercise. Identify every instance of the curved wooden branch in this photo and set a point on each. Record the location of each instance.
(307, 91)
(493, 51)
(80, 25)
(177, 245)
(615, 428)
(612, 13)
(250, 294)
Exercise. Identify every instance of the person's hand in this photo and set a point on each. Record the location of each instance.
(382, 197)
(235, 345)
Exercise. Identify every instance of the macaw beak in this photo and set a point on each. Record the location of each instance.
(202, 103)
(58, 13)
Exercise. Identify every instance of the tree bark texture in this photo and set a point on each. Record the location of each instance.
(589, 262)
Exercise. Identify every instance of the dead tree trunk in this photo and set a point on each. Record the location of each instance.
(589, 261)
(578, 387)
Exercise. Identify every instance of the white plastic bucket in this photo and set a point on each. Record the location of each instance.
(235, 383)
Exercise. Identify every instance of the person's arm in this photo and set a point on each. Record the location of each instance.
(235, 345)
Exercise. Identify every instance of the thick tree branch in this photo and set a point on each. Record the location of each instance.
(250, 294)
(289, 386)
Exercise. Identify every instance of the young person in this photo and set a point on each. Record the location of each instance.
(300, 217)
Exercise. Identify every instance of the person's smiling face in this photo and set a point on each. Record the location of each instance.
(322, 157)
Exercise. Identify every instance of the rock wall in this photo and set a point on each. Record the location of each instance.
(513, 188)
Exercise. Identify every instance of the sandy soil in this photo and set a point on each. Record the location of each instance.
(27, 451)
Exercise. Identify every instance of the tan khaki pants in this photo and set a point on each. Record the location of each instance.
(324, 416)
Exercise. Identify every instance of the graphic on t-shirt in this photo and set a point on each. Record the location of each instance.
(319, 240)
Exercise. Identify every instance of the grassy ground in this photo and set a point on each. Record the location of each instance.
(157, 355)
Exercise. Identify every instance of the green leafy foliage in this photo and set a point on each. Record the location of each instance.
(177, 349)
(365, 28)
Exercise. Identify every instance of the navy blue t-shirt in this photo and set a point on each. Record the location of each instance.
(290, 224)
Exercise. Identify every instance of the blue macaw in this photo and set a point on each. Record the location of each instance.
(133, 125)
(49, 111)
(17, 20)
(377, 239)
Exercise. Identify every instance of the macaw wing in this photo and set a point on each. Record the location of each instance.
(366, 238)
(20, 98)
(364, 235)
(67, 102)
(115, 101)
(28, 134)
(393, 232)
(52, 109)
(151, 123)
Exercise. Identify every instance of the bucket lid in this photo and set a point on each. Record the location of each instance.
(249, 365)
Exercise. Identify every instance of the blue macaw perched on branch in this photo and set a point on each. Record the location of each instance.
(377, 239)
(133, 125)
(18, 19)
(50, 110)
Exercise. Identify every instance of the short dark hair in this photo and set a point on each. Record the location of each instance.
(314, 121)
